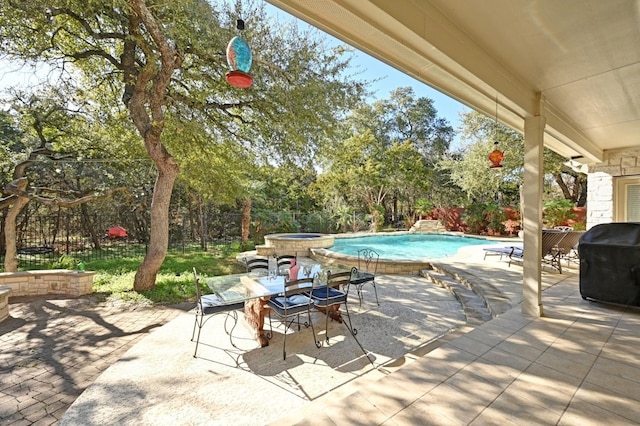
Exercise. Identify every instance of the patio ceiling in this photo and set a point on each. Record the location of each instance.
(576, 62)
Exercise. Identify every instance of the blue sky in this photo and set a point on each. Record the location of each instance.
(391, 79)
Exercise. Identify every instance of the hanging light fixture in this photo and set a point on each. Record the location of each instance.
(496, 156)
(239, 58)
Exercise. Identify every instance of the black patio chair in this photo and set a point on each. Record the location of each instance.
(548, 246)
(328, 295)
(257, 264)
(209, 305)
(289, 305)
(283, 262)
(366, 272)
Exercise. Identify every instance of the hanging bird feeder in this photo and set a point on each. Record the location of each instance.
(496, 157)
(239, 58)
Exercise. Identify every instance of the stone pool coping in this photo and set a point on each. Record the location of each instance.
(318, 250)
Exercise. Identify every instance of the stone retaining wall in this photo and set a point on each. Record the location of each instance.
(391, 267)
(51, 281)
(5, 292)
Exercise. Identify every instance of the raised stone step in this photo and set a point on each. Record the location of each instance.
(474, 306)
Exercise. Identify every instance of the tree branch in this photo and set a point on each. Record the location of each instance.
(14, 188)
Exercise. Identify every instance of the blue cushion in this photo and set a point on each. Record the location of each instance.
(334, 297)
(293, 304)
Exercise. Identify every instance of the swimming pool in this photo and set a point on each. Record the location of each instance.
(407, 246)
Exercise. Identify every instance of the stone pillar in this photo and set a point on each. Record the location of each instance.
(599, 198)
(601, 183)
(532, 215)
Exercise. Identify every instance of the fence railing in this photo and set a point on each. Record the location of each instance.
(71, 234)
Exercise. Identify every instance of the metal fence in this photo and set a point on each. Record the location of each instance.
(45, 238)
(70, 234)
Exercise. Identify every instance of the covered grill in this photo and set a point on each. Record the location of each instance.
(610, 263)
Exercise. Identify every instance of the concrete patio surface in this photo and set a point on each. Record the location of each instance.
(159, 382)
(416, 361)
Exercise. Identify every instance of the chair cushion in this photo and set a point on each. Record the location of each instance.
(334, 297)
(292, 304)
(362, 279)
(211, 300)
(212, 304)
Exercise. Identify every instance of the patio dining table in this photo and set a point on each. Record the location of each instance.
(255, 289)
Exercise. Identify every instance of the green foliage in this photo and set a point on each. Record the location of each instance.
(475, 217)
(377, 217)
(557, 212)
(469, 168)
(114, 278)
(171, 85)
(65, 262)
(423, 206)
(344, 219)
(267, 222)
(317, 222)
(495, 217)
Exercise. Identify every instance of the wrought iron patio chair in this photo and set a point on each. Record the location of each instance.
(207, 306)
(366, 272)
(283, 262)
(257, 263)
(568, 246)
(289, 305)
(328, 295)
(549, 247)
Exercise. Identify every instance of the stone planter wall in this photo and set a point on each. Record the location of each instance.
(52, 281)
(5, 292)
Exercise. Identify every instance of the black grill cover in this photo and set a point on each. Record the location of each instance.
(610, 263)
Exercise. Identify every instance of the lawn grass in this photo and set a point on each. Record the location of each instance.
(174, 283)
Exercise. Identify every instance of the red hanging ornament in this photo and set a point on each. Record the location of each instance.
(496, 157)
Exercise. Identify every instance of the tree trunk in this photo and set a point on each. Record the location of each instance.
(202, 223)
(246, 220)
(89, 227)
(159, 239)
(145, 102)
(11, 262)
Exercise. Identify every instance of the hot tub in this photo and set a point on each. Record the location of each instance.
(299, 243)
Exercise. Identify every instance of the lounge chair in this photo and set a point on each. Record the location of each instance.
(568, 246)
(549, 247)
(501, 251)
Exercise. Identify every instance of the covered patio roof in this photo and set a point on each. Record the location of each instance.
(576, 62)
(564, 73)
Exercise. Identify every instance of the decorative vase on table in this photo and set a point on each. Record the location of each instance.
(293, 270)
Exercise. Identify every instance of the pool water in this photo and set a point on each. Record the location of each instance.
(407, 246)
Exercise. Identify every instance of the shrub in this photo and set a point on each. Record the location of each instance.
(475, 218)
(558, 212)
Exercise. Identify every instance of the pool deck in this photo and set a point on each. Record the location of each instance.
(574, 366)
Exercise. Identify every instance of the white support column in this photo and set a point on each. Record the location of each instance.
(532, 215)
